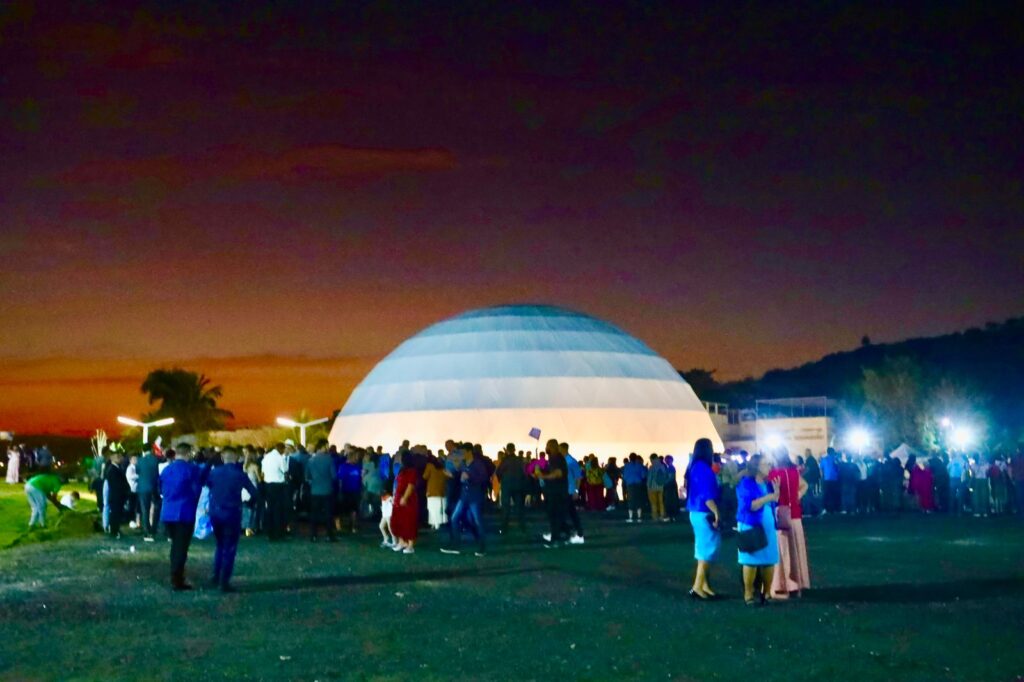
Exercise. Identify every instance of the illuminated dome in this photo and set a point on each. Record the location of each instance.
(490, 376)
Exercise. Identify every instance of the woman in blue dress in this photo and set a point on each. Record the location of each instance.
(756, 508)
(702, 504)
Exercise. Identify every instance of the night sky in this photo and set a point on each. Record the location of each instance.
(277, 197)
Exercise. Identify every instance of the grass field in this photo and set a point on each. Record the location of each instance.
(14, 511)
(918, 598)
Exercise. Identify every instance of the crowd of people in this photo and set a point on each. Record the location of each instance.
(184, 493)
(23, 461)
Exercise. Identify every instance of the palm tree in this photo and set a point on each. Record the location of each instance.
(186, 396)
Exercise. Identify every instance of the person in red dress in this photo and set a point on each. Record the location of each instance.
(922, 484)
(792, 574)
(405, 519)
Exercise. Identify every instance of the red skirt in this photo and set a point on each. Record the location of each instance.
(405, 520)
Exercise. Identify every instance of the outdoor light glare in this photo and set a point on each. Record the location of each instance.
(146, 426)
(773, 440)
(945, 422)
(285, 421)
(858, 439)
(962, 437)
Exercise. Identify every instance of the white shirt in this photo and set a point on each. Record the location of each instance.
(133, 478)
(67, 501)
(275, 467)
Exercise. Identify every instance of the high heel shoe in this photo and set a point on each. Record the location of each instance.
(694, 594)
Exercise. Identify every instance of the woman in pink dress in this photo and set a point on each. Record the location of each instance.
(922, 486)
(792, 574)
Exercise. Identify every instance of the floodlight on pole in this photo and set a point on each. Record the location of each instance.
(291, 423)
(146, 426)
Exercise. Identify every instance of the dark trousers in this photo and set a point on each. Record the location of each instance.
(116, 514)
(321, 513)
(508, 497)
(180, 534)
(227, 531)
(558, 504)
(573, 515)
(277, 501)
(466, 509)
(833, 496)
(146, 506)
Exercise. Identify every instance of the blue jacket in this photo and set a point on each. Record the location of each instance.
(350, 477)
(634, 473)
(575, 474)
(701, 486)
(830, 468)
(180, 485)
(748, 490)
(226, 483)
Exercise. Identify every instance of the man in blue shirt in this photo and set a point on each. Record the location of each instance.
(180, 485)
(634, 478)
(226, 483)
(830, 476)
(575, 474)
(473, 476)
(956, 483)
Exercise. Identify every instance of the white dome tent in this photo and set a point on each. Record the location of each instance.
(490, 376)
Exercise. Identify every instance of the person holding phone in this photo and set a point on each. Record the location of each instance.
(702, 503)
(755, 511)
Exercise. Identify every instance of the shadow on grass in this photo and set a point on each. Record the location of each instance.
(920, 593)
(381, 579)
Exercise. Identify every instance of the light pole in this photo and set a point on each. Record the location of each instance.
(146, 426)
(284, 421)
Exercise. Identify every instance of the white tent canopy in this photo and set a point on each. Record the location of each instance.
(904, 452)
(492, 375)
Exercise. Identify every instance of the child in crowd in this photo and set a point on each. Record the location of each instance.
(387, 504)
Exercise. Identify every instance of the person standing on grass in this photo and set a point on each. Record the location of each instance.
(117, 493)
(702, 498)
(405, 516)
(980, 493)
(671, 494)
(13, 464)
(611, 477)
(437, 483)
(38, 490)
(830, 467)
(180, 485)
(556, 493)
(756, 509)
(147, 470)
(922, 486)
(791, 573)
(350, 487)
(633, 477)
(473, 477)
(1017, 477)
(511, 473)
(657, 476)
(322, 480)
(226, 483)
(275, 472)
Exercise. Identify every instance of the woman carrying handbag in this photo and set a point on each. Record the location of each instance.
(757, 545)
(791, 573)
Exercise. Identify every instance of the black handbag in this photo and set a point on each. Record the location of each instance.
(753, 540)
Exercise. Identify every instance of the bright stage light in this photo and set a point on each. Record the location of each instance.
(963, 437)
(858, 439)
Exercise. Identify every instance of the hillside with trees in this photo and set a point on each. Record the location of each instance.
(905, 386)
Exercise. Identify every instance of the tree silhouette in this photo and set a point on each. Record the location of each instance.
(186, 396)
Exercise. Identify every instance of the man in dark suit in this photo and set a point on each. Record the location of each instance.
(117, 493)
(226, 483)
(148, 470)
(321, 477)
